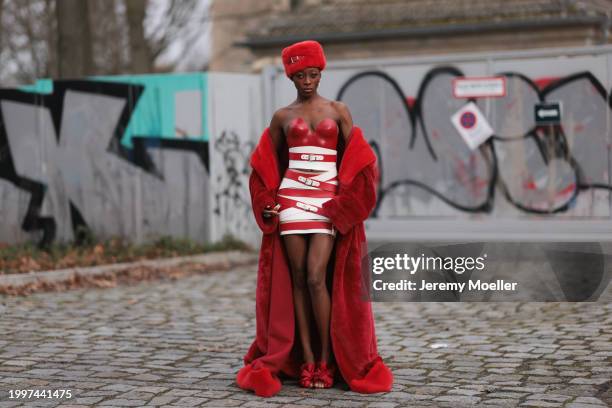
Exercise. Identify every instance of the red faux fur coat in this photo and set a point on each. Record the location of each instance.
(276, 349)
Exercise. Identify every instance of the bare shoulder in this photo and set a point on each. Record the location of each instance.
(341, 108)
(343, 113)
(280, 115)
(339, 105)
(278, 119)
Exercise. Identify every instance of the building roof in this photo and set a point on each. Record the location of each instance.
(357, 19)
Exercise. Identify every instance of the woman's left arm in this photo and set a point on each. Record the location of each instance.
(346, 120)
(355, 201)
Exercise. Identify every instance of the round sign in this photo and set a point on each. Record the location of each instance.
(468, 120)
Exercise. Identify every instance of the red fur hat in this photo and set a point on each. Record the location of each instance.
(302, 55)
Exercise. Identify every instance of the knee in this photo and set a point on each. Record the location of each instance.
(316, 282)
(299, 278)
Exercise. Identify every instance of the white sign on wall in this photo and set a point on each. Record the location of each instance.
(479, 87)
(472, 125)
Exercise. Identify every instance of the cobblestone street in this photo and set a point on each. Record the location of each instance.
(180, 343)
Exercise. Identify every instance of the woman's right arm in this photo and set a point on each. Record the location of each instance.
(262, 201)
(276, 130)
(264, 205)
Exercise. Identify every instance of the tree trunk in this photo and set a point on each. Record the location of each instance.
(74, 39)
(140, 54)
(117, 61)
(1, 22)
(51, 66)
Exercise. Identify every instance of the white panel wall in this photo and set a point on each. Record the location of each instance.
(235, 118)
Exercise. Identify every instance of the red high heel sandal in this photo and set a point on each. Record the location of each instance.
(325, 374)
(307, 375)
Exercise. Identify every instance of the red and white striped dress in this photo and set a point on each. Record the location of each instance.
(302, 193)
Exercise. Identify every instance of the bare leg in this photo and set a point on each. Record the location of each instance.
(319, 250)
(296, 246)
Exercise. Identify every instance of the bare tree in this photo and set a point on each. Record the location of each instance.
(110, 43)
(50, 40)
(140, 57)
(180, 28)
(74, 55)
(25, 50)
(76, 38)
(1, 33)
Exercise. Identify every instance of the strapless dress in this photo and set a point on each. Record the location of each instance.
(302, 194)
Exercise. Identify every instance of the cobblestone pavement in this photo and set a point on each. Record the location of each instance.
(180, 343)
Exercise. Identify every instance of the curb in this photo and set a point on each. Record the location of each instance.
(211, 261)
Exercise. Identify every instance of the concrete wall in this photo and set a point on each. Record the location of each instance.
(235, 20)
(543, 38)
(231, 20)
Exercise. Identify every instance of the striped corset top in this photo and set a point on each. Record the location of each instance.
(312, 150)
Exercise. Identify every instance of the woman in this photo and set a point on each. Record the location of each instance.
(314, 214)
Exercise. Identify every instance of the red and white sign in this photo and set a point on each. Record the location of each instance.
(472, 125)
(479, 87)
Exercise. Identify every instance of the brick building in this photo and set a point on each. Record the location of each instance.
(248, 34)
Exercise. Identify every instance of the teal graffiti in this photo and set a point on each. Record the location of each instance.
(154, 113)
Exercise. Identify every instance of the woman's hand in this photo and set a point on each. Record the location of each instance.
(267, 212)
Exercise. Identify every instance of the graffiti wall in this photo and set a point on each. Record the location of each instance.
(522, 171)
(156, 155)
(122, 156)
